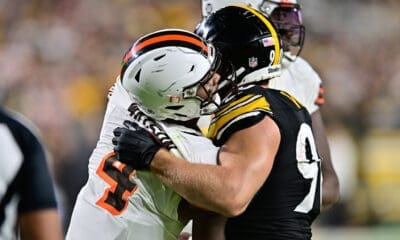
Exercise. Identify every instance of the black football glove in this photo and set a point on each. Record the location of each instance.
(135, 147)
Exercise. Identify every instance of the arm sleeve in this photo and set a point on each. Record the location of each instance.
(313, 85)
(37, 189)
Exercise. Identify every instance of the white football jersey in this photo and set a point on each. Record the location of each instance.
(110, 206)
(300, 80)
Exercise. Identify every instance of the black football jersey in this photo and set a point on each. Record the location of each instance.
(289, 200)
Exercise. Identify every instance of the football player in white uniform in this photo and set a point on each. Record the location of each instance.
(298, 78)
(170, 75)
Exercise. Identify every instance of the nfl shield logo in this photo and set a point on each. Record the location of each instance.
(253, 62)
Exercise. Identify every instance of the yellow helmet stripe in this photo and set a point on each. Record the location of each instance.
(270, 28)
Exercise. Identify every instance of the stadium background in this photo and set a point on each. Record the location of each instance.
(58, 59)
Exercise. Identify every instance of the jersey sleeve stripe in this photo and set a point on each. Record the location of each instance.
(221, 131)
(235, 104)
(320, 99)
(238, 108)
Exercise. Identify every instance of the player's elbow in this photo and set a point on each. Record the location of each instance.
(235, 204)
(234, 209)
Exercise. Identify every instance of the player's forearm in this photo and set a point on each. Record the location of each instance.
(204, 185)
(330, 186)
(330, 191)
(40, 224)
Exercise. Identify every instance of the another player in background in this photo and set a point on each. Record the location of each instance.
(28, 207)
(170, 75)
(268, 177)
(298, 78)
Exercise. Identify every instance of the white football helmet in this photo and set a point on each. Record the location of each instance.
(163, 70)
(211, 6)
(285, 14)
(265, 6)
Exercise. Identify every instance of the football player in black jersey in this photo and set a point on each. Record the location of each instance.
(268, 181)
(28, 207)
(298, 78)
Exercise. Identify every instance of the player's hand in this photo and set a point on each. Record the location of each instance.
(135, 147)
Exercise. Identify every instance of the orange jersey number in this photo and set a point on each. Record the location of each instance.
(117, 175)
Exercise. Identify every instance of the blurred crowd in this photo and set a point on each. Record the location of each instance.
(59, 58)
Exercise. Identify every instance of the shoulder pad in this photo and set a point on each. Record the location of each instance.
(238, 114)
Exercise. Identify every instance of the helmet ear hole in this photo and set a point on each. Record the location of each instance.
(137, 76)
(159, 57)
(175, 108)
(191, 68)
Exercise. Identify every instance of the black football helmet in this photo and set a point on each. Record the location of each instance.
(285, 14)
(248, 42)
